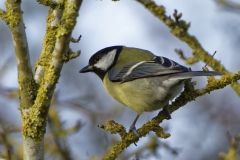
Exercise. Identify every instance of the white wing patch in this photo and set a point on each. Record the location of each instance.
(134, 66)
(106, 61)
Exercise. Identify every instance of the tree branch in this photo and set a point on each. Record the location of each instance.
(233, 148)
(189, 94)
(35, 126)
(53, 19)
(26, 83)
(13, 18)
(60, 24)
(51, 3)
(229, 4)
(179, 28)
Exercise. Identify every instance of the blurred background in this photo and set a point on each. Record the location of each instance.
(197, 130)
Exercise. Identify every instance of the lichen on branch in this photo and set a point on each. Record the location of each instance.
(56, 43)
(13, 18)
(179, 28)
(189, 94)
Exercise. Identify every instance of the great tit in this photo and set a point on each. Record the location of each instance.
(139, 79)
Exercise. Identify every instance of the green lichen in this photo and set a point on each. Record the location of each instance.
(13, 13)
(189, 94)
(154, 126)
(115, 128)
(3, 15)
(179, 29)
(70, 55)
(68, 20)
(34, 121)
(27, 91)
(33, 125)
(233, 149)
(51, 77)
(52, 4)
(49, 42)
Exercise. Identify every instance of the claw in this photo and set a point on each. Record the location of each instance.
(166, 110)
(133, 128)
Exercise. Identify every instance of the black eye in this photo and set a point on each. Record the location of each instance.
(97, 58)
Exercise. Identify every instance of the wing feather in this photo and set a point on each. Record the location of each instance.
(159, 66)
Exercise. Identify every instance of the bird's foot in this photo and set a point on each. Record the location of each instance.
(166, 110)
(134, 130)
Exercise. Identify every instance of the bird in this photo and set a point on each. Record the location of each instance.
(139, 79)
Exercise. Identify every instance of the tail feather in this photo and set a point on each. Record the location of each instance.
(191, 74)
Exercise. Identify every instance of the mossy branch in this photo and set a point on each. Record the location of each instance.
(53, 19)
(70, 55)
(189, 94)
(34, 122)
(179, 28)
(36, 94)
(52, 4)
(26, 84)
(233, 148)
(14, 20)
(3, 15)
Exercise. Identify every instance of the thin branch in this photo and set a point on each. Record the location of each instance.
(25, 76)
(70, 55)
(205, 67)
(179, 28)
(229, 4)
(180, 53)
(76, 40)
(189, 94)
(53, 18)
(51, 3)
(3, 15)
(233, 148)
(26, 83)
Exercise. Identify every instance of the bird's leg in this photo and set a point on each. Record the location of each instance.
(166, 110)
(133, 128)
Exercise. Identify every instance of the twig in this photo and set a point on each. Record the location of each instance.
(177, 16)
(75, 40)
(205, 67)
(180, 53)
(180, 30)
(189, 94)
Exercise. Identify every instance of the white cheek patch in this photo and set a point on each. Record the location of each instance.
(106, 61)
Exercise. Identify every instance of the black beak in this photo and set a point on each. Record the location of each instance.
(86, 69)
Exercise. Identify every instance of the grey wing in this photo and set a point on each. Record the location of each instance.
(159, 66)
